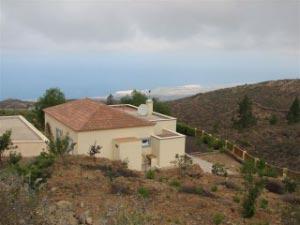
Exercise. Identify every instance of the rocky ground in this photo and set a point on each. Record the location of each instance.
(84, 191)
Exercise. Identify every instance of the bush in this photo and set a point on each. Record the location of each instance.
(273, 120)
(263, 203)
(121, 185)
(219, 170)
(218, 218)
(61, 146)
(175, 183)
(253, 186)
(14, 158)
(230, 146)
(236, 199)
(37, 171)
(249, 202)
(214, 188)
(289, 185)
(291, 198)
(218, 144)
(184, 164)
(197, 190)
(144, 192)
(275, 186)
(185, 129)
(150, 174)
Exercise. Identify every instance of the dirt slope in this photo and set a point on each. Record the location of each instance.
(213, 111)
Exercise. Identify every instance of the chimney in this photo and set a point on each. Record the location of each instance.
(149, 104)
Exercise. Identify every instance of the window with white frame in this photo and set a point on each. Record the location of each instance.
(145, 142)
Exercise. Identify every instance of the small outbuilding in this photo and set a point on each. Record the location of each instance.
(28, 140)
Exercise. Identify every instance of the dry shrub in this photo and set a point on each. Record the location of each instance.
(231, 185)
(195, 172)
(112, 169)
(18, 205)
(122, 185)
(190, 188)
(275, 186)
(291, 198)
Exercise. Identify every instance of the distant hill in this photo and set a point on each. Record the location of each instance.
(15, 104)
(213, 111)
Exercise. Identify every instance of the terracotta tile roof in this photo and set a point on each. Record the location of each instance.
(87, 115)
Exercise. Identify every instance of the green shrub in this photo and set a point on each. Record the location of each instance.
(38, 170)
(14, 158)
(253, 186)
(185, 129)
(214, 188)
(144, 192)
(273, 120)
(290, 185)
(61, 146)
(150, 174)
(230, 146)
(184, 164)
(218, 218)
(219, 170)
(199, 190)
(263, 203)
(236, 199)
(175, 183)
(218, 144)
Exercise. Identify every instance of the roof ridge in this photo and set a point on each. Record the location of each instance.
(91, 116)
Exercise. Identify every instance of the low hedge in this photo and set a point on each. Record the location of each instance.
(185, 129)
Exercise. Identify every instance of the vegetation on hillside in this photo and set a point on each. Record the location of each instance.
(245, 115)
(5, 143)
(58, 195)
(272, 138)
(293, 115)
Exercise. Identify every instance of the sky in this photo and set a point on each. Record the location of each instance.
(95, 47)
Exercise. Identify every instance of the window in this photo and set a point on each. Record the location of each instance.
(145, 142)
(58, 133)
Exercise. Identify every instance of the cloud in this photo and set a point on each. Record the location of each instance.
(170, 93)
(101, 25)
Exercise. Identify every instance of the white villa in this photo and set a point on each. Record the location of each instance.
(136, 134)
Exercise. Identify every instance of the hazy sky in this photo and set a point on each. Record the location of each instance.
(94, 47)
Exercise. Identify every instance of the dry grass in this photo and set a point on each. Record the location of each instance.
(91, 189)
(213, 111)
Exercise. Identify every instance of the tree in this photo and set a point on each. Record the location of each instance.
(5, 143)
(110, 100)
(183, 162)
(61, 146)
(254, 183)
(246, 118)
(161, 107)
(293, 115)
(136, 98)
(52, 97)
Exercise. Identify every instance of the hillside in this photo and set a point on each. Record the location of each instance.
(213, 111)
(15, 104)
(83, 191)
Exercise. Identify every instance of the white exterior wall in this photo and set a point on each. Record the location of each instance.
(130, 152)
(28, 148)
(66, 130)
(166, 149)
(105, 139)
(164, 124)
